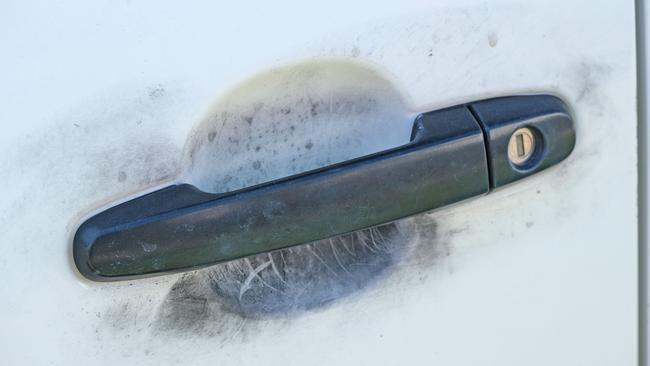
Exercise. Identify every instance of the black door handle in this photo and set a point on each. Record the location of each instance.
(454, 154)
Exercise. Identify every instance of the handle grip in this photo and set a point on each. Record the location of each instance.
(454, 154)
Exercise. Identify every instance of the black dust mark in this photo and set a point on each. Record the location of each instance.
(191, 309)
(586, 83)
(102, 154)
(269, 128)
(589, 77)
(156, 92)
(185, 307)
(121, 316)
(231, 298)
(309, 276)
(431, 244)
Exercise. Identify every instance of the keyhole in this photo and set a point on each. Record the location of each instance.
(521, 146)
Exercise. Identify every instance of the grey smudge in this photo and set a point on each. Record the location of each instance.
(156, 92)
(307, 276)
(355, 51)
(493, 39)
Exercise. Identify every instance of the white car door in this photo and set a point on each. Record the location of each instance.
(104, 101)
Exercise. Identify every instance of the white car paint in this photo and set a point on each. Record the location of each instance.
(99, 100)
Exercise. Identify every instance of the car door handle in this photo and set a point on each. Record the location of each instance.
(454, 154)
